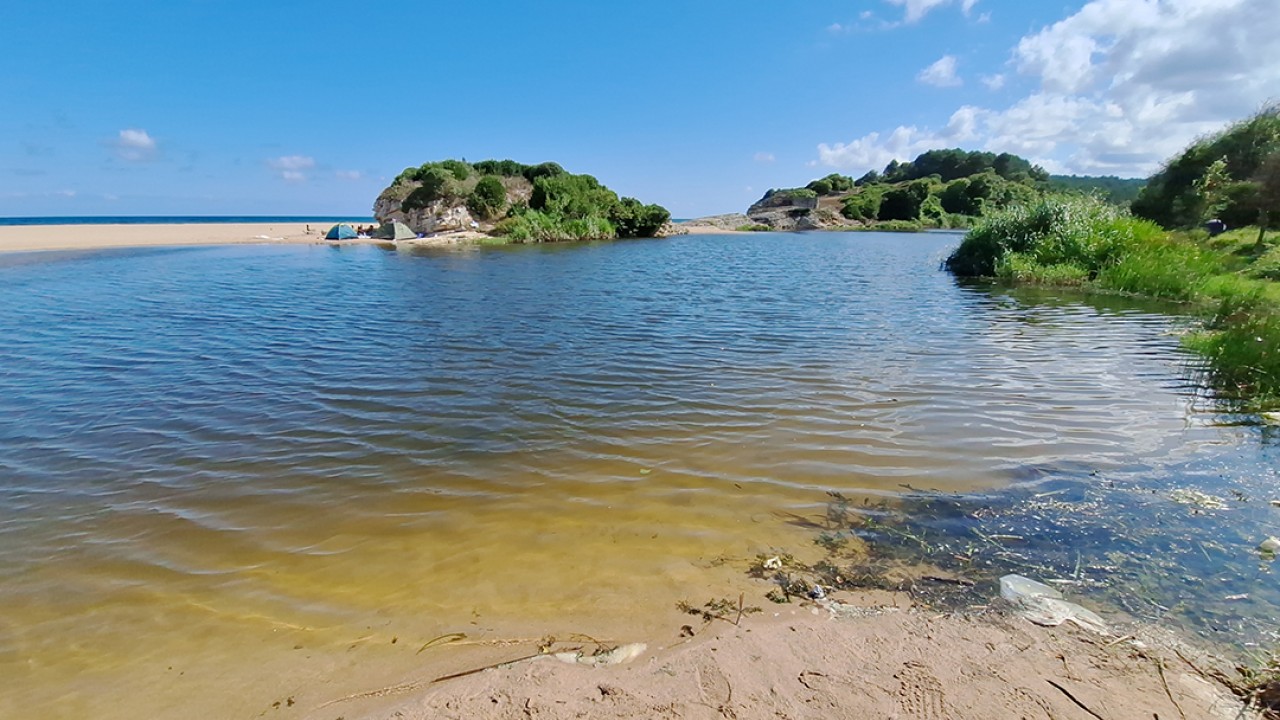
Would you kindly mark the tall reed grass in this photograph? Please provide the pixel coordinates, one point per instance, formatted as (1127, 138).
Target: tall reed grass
(1081, 241)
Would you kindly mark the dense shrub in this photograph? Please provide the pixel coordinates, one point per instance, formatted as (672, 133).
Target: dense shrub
(833, 183)
(1172, 197)
(546, 169)
(438, 183)
(904, 202)
(488, 198)
(1081, 231)
(632, 219)
(572, 196)
(459, 169)
(821, 187)
(501, 168)
(862, 206)
(534, 226)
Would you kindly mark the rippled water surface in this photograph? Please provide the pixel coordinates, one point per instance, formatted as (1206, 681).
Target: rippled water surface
(229, 476)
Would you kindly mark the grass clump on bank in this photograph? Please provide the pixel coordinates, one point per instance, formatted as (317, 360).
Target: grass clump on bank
(1078, 240)
(1082, 241)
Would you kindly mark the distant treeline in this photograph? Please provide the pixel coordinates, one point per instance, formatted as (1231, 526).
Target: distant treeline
(1115, 190)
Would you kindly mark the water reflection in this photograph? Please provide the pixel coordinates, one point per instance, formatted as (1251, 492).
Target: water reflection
(233, 452)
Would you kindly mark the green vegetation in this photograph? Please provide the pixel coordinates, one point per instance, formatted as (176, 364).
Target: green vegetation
(1115, 190)
(531, 203)
(791, 194)
(1232, 279)
(1217, 176)
(939, 189)
(488, 198)
(753, 228)
(1082, 241)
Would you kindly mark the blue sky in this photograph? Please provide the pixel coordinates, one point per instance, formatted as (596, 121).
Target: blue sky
(289, 107)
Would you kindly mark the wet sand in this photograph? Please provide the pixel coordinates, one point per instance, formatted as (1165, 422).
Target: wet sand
(879, 657)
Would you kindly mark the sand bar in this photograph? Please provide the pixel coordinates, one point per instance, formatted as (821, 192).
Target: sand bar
(33, 238)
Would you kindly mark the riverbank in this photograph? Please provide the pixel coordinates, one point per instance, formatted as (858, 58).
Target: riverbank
(874, 655)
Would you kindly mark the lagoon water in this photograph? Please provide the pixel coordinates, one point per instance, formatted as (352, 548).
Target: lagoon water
(231, 477)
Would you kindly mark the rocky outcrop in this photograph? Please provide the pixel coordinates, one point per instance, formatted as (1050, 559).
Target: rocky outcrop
(439, 216)
(790, 211)
(445, 215)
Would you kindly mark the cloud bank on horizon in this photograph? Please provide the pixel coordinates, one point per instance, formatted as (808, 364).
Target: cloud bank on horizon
(1116, 87)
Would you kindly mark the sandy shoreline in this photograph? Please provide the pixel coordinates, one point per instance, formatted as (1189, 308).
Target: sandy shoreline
(35, 238)
(38, 238)
(874, 656)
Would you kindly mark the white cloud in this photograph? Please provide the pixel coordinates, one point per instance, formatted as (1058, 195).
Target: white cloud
(348, 174)
(993, 82)
(134, 145)
(917, 9)
(1122, 86)
(292, 168)
(941, 74)
(765, 158)
(870, 152)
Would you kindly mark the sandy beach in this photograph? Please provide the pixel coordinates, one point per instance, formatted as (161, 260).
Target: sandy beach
(874, 656)
(38, 238)
(34, 238)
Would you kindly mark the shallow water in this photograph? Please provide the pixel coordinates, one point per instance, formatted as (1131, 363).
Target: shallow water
(229, 476)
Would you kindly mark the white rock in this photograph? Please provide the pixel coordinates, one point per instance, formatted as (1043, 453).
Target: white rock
(1270, 545)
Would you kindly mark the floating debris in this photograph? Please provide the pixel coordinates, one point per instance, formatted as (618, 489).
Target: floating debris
(1187, 496)
(1270, 546)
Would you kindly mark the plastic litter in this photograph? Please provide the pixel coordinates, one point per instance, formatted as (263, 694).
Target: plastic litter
(1044, 605)
(617, 656)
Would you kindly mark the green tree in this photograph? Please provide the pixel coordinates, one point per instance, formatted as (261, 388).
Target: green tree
(862, 206)
(488, 198)
(871, 177)
(546, 169)
(632, 219)
(1171, 197)
(1267, 197)
(438, 183)
(459, 169)
(572, 196)
(822, 187)
(904, 202)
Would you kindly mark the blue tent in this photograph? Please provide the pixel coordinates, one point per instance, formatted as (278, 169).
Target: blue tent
(341, 231)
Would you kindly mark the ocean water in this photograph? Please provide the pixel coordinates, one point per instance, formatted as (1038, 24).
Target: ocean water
(235, 476)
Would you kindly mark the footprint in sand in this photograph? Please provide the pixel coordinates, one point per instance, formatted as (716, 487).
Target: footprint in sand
(714, 686)
(920, 693)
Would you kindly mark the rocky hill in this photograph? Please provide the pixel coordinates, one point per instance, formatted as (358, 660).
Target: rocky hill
(940, 188)
(523, 203)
